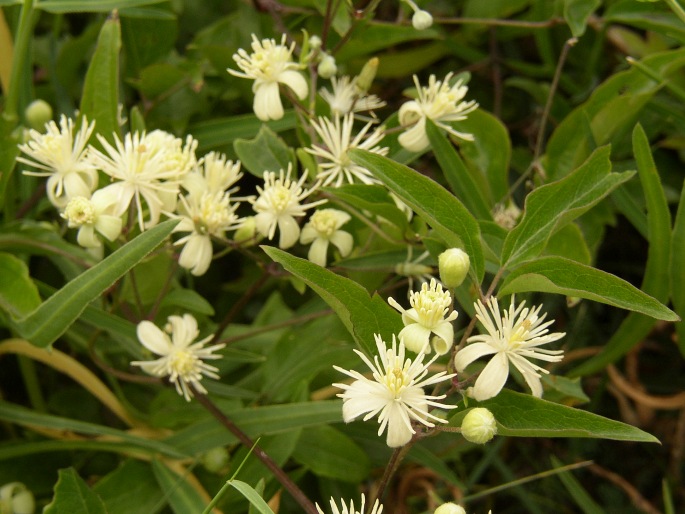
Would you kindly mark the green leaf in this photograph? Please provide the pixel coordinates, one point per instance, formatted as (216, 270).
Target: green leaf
(437, 206)
(252, 496)
(554, 205)
(372, 198)
(255, 421)
(577, 12)
(576, 490)
(489, 153)
(73, 495)
(656, 279)
(18, 293)
(28, 418)
(224, 131)
(266, 152)
(678, 270)
(571, 278)
(67, 6)
(52, 318)
(183, 497)
(189, 300)
(523, 415)
(569, 242)
(361, 314)
(328, 452)
(129, 489)
(647, 16)
(456, 173)
(100, 98)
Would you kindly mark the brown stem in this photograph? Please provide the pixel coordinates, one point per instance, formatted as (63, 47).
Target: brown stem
(277, 472)
(395, 460)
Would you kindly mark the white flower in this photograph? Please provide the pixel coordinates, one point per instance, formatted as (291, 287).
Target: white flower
(439, 102)
(181, 359)
(93, 215)
(204, 216)
(377, 507)
(279, 203)
(421, 20)
(268, 65)
(336, 166)
(151, 173)
(396, 392)
(63, 159)
(323, 228)
(427, 315)
(511, 338)
(346, 97)
(215, 174)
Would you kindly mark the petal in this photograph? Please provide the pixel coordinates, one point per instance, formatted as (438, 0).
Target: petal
(531, 377)
(86, 237)
(196, 254)
(343, 241)
(470, 353)
(290, 231)
(445, 331)
(152, 338)
(267, 101)
(415, 138)
(399, 428)
(317, 252)
(108, 226)
(492, 378)
(308, 234)
(364, 396)
(295, 81)
(415, 337)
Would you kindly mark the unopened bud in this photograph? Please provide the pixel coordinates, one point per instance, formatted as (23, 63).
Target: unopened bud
(247, 234)
(453, 265)
(37, 114)
(450, 508)
(15, 498)
(315, 42)
(422, 20)
(327, 67)
(215, 460)
(479, 426)
(366, 76)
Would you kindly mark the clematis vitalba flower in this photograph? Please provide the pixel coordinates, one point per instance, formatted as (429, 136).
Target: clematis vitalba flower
(345, 509)
(396, 393)
(429, 306)
(511, 338)
(181, 358)
(269, 65)
(93, 216)
(324, 228)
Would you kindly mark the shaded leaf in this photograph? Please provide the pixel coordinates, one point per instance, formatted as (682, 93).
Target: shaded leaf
(577, 12)
(266, 152)
(18, 293)
(252, 496)
(182, 497)
(72, 494)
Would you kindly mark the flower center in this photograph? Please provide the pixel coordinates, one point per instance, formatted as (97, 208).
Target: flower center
(325, 223)
(183, 362)
(280, 198)
(430, 304)
(214, 215)
(80, 211)
(395, 380)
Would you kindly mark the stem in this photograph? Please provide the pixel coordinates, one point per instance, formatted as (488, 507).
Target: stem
(501, 23)
(276, 326)
(395, 460)
(19, 59)
(277, 472)
(31, 382)
(677, 9)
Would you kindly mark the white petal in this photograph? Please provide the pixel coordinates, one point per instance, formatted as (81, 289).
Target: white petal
(529, 374)
(415, 139)
(290, 232)
(470, 353)
(308, 234)
(445, 331)
(492, 378)
(415, 337)
(267, 101)
(317, 252)
(153, 338)
(108, 226)
(196, 254)
(86, 237)
(399, 429)
(343, 241)
(295, 81)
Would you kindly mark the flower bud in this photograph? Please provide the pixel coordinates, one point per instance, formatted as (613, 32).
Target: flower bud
(479, 426)
(422, 20)
(315, 42)
(453, 265)
(37, 114)
(450, 508)
(247, 234)
(215, 460)
(366, 76)
(15, 498)
(327, 67)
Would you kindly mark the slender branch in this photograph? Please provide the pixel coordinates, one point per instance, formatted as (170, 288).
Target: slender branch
(277, 472)
(394, 462)
(494, 22)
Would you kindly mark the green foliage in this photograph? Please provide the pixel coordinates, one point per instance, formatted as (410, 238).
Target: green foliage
(72, 494)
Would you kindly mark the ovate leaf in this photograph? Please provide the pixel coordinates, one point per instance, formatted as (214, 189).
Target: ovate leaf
(100, 99)
(266, 152)
(72, 494)
(571, 278)
(523, 415)
(437, 206)
(52, 318)
(552, 206)
(18, 293)
(361, 314)
(577, 12)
